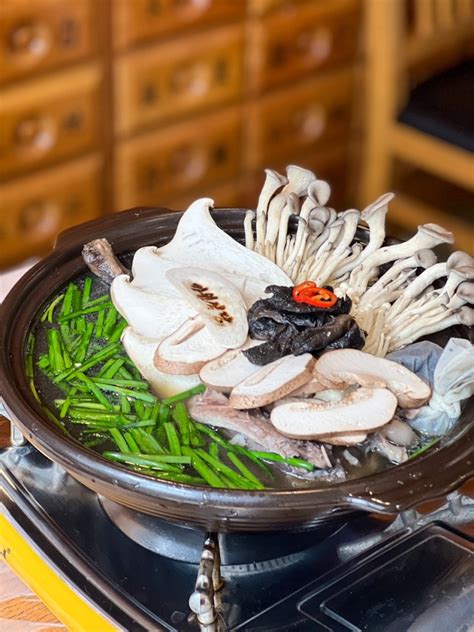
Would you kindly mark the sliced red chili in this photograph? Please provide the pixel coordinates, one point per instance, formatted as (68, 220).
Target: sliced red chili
(310, 294)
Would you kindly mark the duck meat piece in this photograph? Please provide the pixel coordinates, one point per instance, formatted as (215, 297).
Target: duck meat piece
(101, 260)
(319, 338)
(213, 409)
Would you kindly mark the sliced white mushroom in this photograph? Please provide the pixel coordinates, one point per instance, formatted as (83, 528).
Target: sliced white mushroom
(198, 240)
(149, 313)
(217, 301)
(188, 349)
(229, 369)
(308, 388)
(350, 366)
(362, 411)
(141, 352)
(344, 438)
(272, 382)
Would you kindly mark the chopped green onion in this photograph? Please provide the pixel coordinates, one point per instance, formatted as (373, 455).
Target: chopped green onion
(95, 390)
(172, 437)
(86, 292)
(237, 479)
(203, 469)
(180, 415)
(200, 388)
(83, 312)
(277, 458)
(424, 448)
(119, 440)
(244, 469)
(136, 459)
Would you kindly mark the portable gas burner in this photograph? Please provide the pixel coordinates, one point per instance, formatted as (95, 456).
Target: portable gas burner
(120, 569)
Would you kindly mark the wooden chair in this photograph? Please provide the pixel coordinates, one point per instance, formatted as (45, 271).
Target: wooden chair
(406, 39)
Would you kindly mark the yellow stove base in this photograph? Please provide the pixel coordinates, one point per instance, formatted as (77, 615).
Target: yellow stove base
(69, 607)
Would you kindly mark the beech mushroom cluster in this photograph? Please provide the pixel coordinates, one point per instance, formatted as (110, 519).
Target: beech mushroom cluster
(396, 307)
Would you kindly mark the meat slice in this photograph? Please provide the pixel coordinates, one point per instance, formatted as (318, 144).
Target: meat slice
(350, 366)
(187, 350)
(213, 408)
(101, 260)
(363, 411)
(272, 382)
(141, 351)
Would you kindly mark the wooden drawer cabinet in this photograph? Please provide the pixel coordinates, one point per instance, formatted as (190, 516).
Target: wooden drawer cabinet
(161, 166)
(289, 44)
(178, 78)
(227, 194)
(38, 35)
(49, 119)
(35, 208)
(136, 21)
(288, 124)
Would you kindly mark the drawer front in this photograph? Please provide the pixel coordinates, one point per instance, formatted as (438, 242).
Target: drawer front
(36, 208)
(160, 167)
(141, 20)
(37, 35)
(286, 124)
(291, 43)
(227, 195)
(178, 78)
(48, 120)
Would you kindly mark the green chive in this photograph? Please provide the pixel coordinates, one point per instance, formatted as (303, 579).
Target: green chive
(95, 390)
(119, 440)
(277, 458)
(203, 469)
(200, 388)
(244, 469)
(86, 292)
(180, 415)
(109, 323)
(83, 347)
(172, 437)
(228, 472)
(83, 312)
(99, 325)
(146, 397)
(126, 457)
(424, 448)
(132, 444)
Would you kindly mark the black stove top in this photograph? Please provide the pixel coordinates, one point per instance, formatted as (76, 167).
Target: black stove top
(141, 572)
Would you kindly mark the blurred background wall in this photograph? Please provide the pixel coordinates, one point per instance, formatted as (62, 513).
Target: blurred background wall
(110, 104)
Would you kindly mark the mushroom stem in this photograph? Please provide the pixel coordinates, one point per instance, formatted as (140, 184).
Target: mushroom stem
(249, 238)
(273, 182)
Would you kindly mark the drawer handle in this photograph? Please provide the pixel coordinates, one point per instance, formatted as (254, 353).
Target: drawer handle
(38, 218)
(193, 79)
(30, 39)
(316, 44)
(311, 122)
(188, 162)
(35, 133)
